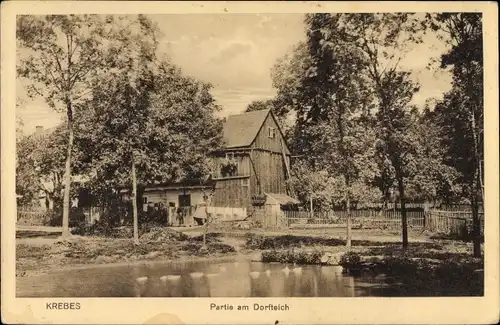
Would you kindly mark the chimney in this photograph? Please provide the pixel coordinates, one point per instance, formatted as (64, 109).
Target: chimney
(39, 130)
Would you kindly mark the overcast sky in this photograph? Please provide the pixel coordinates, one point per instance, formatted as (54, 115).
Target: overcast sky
(235, 53)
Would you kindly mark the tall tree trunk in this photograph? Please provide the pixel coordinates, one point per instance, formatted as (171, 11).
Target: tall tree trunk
(349, 226)
(476, 228)
(348, 208)
(134, 203)
(476, 196)
(67, 172)
(208, 218)
(311, 205)
(402, 200)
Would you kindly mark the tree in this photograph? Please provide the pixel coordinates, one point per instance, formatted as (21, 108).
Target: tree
(149, 122)
(460, 113)
(314, 187)
(49, 163)
(61, 56)
(27, 180)
(433, 180)
(332, 105)
(382, 40)
(258, 105)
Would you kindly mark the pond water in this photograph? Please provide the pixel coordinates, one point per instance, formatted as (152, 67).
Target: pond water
(200, 279)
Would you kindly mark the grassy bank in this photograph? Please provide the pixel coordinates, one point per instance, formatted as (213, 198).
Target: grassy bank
(157, 244)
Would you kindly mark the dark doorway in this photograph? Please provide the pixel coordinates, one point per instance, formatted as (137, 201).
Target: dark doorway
(185, 200)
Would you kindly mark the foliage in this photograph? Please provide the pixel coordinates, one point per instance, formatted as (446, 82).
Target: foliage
(460, 113)
(291, 256)
(350, 261)
(62, 58)
(147, 111)
(172, 131)
(258, 105)
(254, 241)
(228, 167)
(27, 178)
(316, 185)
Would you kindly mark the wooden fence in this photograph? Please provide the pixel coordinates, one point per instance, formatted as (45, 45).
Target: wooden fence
(359, 218)
(452, 222)
(32, 217)
(439, 221)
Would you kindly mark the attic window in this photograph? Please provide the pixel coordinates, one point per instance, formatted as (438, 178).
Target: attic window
(272, 132)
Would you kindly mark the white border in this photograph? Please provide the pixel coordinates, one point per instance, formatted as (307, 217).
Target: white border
(481, 310)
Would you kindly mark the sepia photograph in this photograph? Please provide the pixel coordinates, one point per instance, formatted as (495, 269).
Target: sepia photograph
(249, 155)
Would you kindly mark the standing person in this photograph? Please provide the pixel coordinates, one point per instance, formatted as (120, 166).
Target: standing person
(180, 216)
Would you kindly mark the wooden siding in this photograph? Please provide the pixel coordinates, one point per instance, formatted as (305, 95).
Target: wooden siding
(232, 193)
(270, 171)
(260, 166)
(263, 141)
(243, 168)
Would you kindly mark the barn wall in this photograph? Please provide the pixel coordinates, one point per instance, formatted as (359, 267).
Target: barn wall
(270, 170)
(232, 193)
(263, 141)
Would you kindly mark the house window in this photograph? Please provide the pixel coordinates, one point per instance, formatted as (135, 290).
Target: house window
(145, 200)
(229, 166)
(244, 182)
(272, 133)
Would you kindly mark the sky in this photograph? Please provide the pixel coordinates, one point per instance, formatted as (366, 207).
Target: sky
(235, 53)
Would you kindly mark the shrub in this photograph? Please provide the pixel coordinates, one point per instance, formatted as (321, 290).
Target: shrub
(291, 256)
(350, 260)
(254, 241)
(98, 228)
(210, 237)
(194, 248)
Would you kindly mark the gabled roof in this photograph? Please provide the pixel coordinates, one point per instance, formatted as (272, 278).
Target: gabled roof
(240, 130)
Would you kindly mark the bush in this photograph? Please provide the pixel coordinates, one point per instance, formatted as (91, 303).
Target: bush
(254, 241)
(212, 248)
(288, 241)
(210, 237)
(99, 228)
(350, 260)
(401, 266)
(290, 256)
(163, 234)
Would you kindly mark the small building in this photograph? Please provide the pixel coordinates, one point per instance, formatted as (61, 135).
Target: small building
(271, 213)
(254, 161)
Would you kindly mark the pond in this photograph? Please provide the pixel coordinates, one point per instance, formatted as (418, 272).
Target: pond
(201, 279)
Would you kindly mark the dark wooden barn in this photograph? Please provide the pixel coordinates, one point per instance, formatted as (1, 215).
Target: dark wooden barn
(254, 161)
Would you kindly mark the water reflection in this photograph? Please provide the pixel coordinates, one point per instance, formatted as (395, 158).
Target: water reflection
(193, 279)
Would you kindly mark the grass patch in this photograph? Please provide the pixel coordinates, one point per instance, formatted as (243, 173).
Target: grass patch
(291, 256)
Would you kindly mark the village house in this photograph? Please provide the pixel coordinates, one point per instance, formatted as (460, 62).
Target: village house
(253, 167)
(250, 173)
